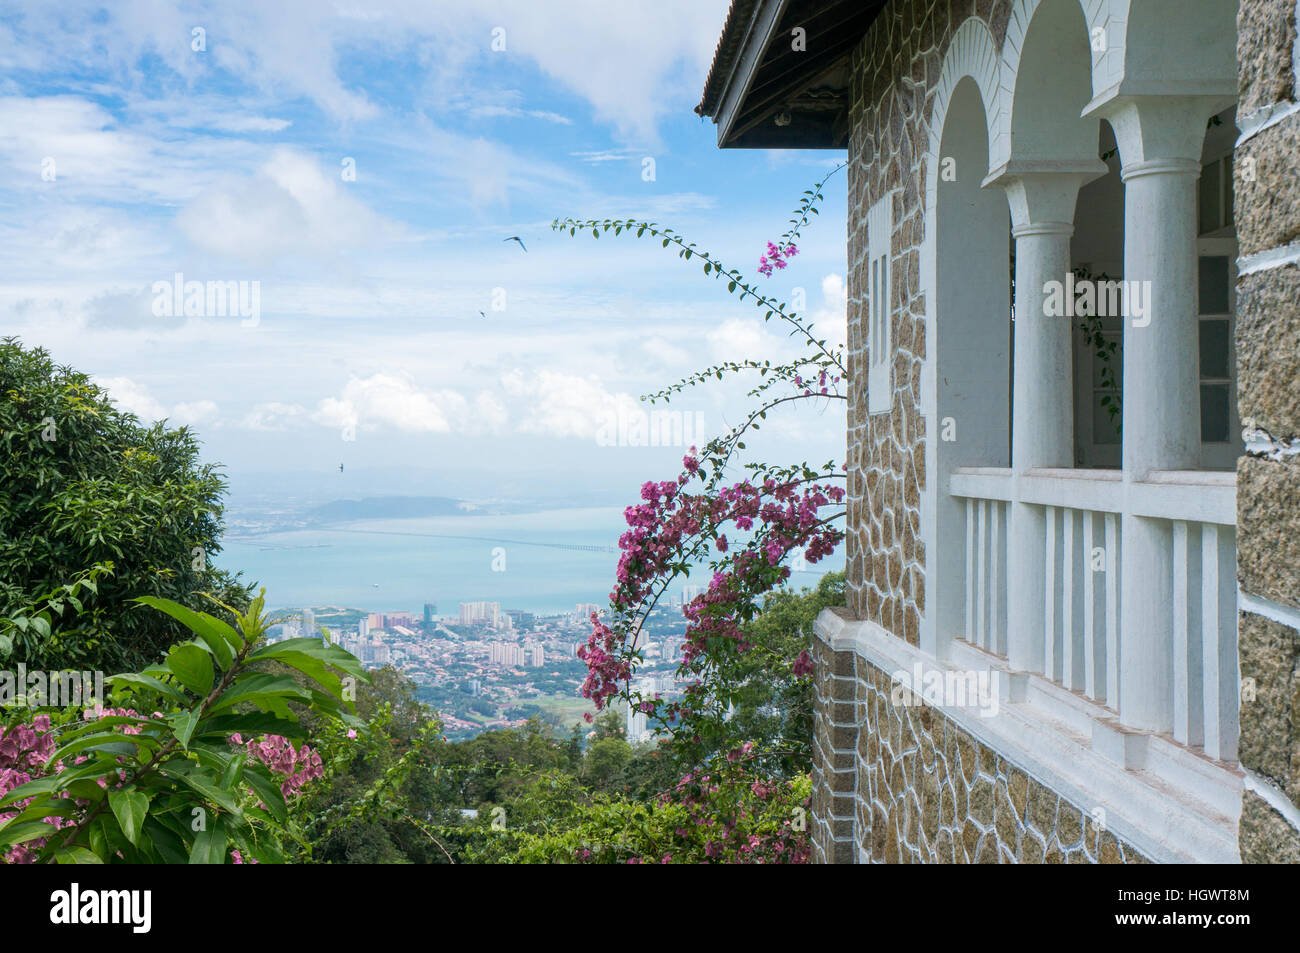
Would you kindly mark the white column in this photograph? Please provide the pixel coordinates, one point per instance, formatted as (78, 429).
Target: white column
(1042, 425)
(1160, 141)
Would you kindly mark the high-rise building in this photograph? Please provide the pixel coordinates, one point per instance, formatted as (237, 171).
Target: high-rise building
(482, 613)
(506, 653)
(520, 618)
(536, 656)
(637, 728)
(585, 609)
(690, 592)
(363, 629)
(430, 611)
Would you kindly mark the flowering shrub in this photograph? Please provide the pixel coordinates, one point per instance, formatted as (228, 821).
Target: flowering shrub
(24, 749)
(170, 787)
(735, 816)
(745, 528)
(296, 766)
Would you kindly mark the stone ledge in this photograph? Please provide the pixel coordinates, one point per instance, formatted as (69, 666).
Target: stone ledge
(1139, 809)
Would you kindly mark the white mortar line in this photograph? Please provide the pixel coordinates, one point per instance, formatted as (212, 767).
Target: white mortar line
(1273, 796)
(1268, 609)
(1265, 117)
(1266, 260)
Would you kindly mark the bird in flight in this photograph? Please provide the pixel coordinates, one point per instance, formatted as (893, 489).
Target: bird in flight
(516, 238)
(340, 468)
(482, 315)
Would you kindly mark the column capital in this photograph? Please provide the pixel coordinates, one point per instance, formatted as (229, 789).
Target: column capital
(1042, 193)
(1152, 129)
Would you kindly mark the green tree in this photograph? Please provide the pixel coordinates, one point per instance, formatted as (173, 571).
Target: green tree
(85, 484)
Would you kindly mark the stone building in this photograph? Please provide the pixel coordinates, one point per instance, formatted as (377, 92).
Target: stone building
(1073, 623)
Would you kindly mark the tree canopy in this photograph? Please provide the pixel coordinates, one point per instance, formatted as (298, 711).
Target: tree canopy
(86, 484)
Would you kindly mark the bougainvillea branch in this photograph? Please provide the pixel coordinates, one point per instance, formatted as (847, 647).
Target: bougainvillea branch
(745, 529)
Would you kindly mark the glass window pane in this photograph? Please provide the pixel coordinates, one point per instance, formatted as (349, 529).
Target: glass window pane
(1214, 284)
(1214, 413)
(1214, 348)
(1104, 430)
(1211, 217)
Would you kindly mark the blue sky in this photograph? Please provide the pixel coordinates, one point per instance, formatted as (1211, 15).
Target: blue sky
(130, 156)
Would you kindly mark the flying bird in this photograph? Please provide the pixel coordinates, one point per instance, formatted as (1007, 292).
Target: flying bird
(482, 315)
(516, 238)
(340, 468)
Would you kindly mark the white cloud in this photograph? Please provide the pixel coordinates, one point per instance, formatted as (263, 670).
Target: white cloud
(135, 398)
(289, 207)
(390, 400)
(565, 405)
(634, 63)
(272, 416)
(197, 412)
(132, 397)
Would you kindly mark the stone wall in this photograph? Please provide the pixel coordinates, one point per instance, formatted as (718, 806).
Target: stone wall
(905, 784)
(1268, 478)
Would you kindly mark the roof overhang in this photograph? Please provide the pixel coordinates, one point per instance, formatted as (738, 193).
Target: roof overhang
(765, 93)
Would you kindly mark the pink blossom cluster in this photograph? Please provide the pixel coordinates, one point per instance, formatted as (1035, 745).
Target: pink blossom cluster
(776, 257)
(298, 767)
(665, 526)
(24, 749)
(823, 385)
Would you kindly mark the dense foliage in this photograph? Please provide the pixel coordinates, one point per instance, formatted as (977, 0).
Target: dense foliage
(88, 488)
(169, 777)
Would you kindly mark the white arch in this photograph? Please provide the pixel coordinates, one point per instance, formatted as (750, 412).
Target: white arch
(1108, 60)
(972, 53)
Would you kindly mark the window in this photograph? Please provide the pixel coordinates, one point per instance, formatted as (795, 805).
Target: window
(1215, 349)
(879, 345)
(1215, 195)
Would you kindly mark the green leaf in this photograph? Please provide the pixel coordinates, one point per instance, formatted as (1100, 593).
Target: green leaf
(192, 665)
(13, 834)
(209, 628)
(259, 779)
(202, 783)
(166, 842)
(76, 855)
(109, 742)
(129, 807)
(270, 693)
(183, 725)
(210, 844)
(148, 683)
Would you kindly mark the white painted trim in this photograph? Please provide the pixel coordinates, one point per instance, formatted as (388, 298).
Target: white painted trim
(1259, 443)
(1286, 615)
(1201, 496)
(971, 52)
(1265, 117)
(1269, 259)
(880, 311)
(1272, 796)
(1169, 823)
